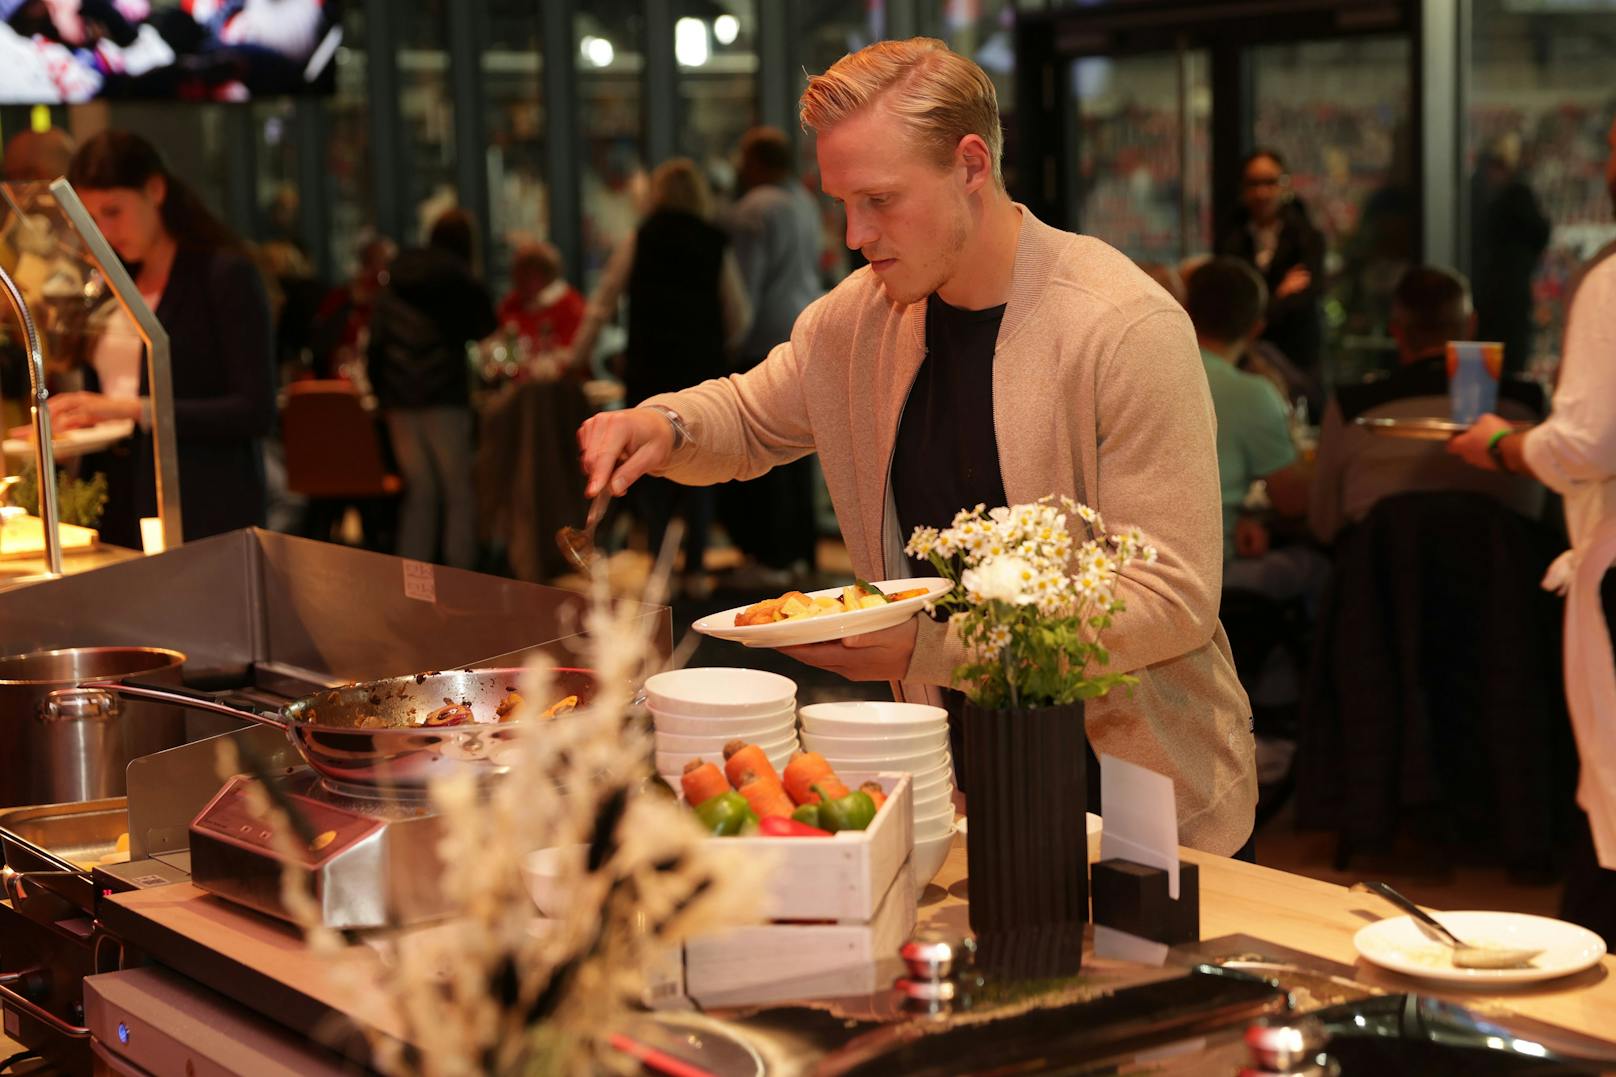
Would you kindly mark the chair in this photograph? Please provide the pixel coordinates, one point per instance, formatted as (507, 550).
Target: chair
(334, 458)
(1434, 684)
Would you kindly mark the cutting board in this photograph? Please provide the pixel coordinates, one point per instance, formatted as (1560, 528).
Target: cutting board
(24, 536)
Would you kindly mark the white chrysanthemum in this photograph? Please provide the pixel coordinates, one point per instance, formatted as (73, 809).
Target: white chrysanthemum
(1003, 579)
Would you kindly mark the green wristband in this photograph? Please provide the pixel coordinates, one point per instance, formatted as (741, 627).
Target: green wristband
(1492, 442)
(1497, 453)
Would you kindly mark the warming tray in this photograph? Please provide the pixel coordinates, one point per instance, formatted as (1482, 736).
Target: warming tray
(64, 837)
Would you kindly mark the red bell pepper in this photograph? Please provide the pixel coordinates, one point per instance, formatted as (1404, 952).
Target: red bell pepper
(783, 826)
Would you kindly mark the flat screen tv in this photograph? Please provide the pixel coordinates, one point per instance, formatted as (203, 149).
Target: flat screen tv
(71, 51)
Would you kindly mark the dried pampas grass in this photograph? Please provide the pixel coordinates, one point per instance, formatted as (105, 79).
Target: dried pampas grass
(494, 990)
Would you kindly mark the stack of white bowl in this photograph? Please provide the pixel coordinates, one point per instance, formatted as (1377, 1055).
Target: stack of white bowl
(905, 737)
(698, 710)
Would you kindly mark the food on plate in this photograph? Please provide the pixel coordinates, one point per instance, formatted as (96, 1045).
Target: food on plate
(702, 781)
(747, 796)
(796, 606)
(509, 708)
(806, 770)
(450, 714)
(558, 708)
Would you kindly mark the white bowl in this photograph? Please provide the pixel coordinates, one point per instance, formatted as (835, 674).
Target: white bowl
(927, 858)
(674, 762)
(934, 827)
(918, 763)
(543, 871)
(934, 800)
(673, 742)
(745, 726)
(925, 782)
(870, 717)
(719, 692)
(877, 747)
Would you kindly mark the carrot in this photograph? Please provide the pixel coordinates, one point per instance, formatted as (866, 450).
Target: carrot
(740, 757)
(806, 770)
(702, 781)
(876, 793)
(766, 795)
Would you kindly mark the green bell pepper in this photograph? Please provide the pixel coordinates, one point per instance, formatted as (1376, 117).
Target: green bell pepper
(852, 812)
(726, 814)
(807, 813)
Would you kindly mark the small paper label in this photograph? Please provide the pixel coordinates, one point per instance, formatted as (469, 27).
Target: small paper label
(1141, 819)
(420, 581)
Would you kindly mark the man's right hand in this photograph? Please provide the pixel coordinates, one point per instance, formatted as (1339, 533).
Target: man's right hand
(620, 446)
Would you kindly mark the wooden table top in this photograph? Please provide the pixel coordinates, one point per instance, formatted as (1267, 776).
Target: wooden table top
(1321, 918)
(1236, 899)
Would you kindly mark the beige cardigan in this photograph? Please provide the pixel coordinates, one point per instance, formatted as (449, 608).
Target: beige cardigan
(1098, 394)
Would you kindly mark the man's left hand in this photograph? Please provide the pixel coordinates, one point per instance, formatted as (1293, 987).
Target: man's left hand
(873, 656)
(1471, 445)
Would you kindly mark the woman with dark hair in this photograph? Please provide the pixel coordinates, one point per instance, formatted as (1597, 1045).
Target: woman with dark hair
(1270, 230)
(198, 280)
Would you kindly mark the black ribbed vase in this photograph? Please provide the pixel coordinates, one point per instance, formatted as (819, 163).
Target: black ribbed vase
(1028, 845)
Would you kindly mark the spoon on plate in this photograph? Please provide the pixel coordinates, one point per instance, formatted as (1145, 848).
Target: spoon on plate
(1465, 956)
(579, 545)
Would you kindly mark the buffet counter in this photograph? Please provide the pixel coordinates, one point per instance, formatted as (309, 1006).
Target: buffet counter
(255, 959)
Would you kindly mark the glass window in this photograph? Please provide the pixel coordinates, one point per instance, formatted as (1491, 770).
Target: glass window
(426, 106)
(717, 86)
(1338, 112)
(1541, 103)
(349, 169)
(513, 116)
(1140, 184)
(825, 31)
(610, 59)
(275, 159)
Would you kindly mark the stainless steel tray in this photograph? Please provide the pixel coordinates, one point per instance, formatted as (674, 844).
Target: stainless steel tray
(64, 837)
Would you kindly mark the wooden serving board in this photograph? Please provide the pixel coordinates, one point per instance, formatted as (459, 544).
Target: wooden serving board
(24, 536)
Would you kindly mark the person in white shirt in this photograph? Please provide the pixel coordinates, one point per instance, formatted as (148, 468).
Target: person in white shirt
(1573, 452)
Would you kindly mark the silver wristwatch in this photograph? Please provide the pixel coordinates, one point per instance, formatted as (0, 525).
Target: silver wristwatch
(681, 432)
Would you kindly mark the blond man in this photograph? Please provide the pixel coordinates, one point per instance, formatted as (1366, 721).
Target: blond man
(982, 356)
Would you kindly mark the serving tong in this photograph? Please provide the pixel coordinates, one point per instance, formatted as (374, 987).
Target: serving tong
(1465, 955)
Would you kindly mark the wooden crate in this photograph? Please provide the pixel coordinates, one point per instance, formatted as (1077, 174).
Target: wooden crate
(773, 962)
(843, 877)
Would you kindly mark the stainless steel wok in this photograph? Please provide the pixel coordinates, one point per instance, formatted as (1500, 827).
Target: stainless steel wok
(333, 728)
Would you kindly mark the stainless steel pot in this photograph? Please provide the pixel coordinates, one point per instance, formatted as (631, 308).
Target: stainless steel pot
(78, 750)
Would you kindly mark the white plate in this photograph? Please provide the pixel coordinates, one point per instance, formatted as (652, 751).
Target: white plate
(674, 762)
(1399, 944)
(76, 442)
(927, 858)
(719, 692)
(828, 626)
(871, 718)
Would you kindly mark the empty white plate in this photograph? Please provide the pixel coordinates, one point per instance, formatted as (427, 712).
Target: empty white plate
(1399, 944)
(709, 726)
